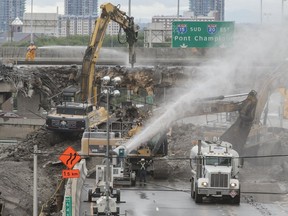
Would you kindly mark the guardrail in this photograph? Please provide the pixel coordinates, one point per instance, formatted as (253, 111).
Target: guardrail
(8, 142)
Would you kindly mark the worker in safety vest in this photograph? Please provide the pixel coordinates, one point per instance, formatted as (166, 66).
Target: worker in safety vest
(31, 52)
(143, 170)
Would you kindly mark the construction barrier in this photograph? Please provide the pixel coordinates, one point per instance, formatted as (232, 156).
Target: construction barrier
(73, 189)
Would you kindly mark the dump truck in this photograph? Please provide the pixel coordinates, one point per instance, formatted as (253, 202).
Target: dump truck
(214, 168)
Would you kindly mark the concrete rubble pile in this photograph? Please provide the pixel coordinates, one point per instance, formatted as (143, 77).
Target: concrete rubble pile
(17, 160)
(49, 82)
(16, 172)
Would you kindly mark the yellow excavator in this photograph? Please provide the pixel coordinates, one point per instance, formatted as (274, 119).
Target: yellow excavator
(109, 12)
(78, 115)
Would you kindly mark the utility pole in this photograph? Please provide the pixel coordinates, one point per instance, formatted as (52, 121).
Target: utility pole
(35, 194)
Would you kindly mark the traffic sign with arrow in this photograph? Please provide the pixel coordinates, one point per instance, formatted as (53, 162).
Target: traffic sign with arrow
(70, 157)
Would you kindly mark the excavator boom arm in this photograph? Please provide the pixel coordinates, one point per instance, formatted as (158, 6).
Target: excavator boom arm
(109, 12)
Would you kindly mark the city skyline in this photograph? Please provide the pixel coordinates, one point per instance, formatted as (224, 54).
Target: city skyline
(241, 11)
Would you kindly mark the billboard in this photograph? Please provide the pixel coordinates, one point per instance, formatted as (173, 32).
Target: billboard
(202, 34)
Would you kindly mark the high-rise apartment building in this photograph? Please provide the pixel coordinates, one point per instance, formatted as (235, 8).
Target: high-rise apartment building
(79, 17)
(81, 7)
(205, 7)
(9, 10)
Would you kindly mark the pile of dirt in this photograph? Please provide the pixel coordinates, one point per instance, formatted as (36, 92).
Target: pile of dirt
(16, 172)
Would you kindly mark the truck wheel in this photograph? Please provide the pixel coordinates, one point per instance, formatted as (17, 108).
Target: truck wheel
(236, 199)
(90, 195)
(161, 169)
(198, 197)
(95, 211)
(118, 196)
(192, 189)
(117, 211)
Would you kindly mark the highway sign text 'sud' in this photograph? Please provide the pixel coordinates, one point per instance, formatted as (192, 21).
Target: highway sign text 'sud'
(202, 34)
(70, 157)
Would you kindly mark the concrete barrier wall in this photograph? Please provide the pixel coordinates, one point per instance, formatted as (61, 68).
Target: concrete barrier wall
(18, 128)
(77, 53)
(74, 188)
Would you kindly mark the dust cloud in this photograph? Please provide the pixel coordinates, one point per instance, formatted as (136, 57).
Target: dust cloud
(229, 72)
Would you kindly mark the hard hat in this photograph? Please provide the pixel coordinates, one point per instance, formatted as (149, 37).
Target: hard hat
(142, 159)
(253, 93)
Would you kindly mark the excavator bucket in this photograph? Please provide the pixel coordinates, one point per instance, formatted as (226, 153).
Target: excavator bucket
(238, 133)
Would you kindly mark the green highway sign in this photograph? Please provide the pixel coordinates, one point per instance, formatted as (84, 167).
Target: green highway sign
(149, 100)
(202, 34)
(68, 205)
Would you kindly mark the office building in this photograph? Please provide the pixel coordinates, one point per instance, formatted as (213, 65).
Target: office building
(42, 23)
(9, 10)
(75, 25)
(81, 7)
(79, 17)
(206, 7)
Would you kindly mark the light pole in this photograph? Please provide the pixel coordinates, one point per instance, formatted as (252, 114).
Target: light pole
(178, 4)
(31, 22)
(108, 88)
(129, 8)
(261, 8)
(282, 11)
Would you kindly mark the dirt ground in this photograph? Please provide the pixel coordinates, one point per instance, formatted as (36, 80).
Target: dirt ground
(16, 161)
(16, 172)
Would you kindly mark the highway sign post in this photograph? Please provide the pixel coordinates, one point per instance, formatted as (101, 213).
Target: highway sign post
(68, 206)
(202, 34)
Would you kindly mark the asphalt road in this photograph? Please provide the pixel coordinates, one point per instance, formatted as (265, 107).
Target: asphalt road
(173, 199)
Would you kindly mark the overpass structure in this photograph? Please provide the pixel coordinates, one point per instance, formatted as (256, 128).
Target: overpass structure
(61, 55)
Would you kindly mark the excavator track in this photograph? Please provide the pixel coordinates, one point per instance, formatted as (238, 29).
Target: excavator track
(160, 168)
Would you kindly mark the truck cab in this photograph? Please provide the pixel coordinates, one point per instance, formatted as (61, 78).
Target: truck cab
(215, 168)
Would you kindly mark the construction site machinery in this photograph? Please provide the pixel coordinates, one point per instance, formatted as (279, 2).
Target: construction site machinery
(95, 142)
(101, 192)
(63, 118)
(158, 150)
(215, 168)
(75, 117)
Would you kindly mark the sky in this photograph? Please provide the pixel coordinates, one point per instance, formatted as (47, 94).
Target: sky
(240, 11)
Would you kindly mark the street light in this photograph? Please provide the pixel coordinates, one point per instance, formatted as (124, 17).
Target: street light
(108, 88)
(282, 11)
(178, 4)
(129, 8)
(261, 8)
